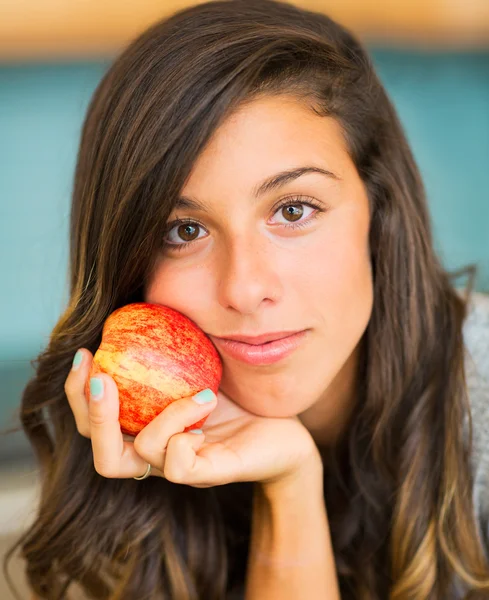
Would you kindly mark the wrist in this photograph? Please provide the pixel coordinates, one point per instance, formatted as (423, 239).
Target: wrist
(295, 484)
(291, 553)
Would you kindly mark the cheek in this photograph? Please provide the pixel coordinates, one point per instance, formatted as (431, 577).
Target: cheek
(337, 271)
(347, 271)
(176, 287)
(343, 291)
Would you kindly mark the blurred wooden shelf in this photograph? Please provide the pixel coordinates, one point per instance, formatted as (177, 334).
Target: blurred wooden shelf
(70, 29)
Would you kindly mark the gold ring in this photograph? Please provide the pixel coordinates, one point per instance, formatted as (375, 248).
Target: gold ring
(148, 471)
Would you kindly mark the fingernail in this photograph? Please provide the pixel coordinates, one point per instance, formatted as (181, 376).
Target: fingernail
(96, 388)
(204, 396)
(77, 360)
(196, 431)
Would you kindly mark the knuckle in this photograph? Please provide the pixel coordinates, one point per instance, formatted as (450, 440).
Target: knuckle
(83, 430)
(173, 474)
(149, 447)
(97, 420)
(68, 386)
(177, 443)
(172, 470)
(104, 468)
(153, 450)
(140, 446)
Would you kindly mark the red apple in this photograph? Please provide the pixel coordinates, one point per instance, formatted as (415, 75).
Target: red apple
(156, 355)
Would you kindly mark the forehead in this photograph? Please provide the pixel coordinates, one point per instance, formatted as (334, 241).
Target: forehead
(265, 137)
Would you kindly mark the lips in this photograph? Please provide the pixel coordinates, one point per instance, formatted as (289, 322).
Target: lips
(261, 354)
(259, 339)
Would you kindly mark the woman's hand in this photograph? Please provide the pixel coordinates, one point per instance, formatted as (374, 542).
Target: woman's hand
(234, 446)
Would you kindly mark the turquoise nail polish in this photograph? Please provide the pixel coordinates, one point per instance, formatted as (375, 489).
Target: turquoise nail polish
(96, 388)
(204, 396)
(77, 360)
(196, 431)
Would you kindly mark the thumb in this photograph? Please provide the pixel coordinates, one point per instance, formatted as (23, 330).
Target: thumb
(103, 399)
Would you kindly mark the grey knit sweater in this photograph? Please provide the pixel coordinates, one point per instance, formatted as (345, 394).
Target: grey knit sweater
(476, 336)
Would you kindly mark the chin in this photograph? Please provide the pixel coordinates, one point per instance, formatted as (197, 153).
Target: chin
(263, 404)
(274, 412)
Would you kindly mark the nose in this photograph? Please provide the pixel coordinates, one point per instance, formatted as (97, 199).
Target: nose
(248, 275)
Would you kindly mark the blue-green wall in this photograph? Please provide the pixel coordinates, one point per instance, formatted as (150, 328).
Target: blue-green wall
(442, 99)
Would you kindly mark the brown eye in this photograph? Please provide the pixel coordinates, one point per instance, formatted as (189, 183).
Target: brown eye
(179, 234)
(293, 211)
(187, 232)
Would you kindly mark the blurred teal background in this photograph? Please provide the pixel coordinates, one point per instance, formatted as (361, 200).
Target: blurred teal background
(442, 100)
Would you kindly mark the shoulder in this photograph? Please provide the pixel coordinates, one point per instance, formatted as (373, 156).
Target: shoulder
(476, 338)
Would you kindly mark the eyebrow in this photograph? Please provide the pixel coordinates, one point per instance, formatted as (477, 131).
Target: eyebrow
(270, 184)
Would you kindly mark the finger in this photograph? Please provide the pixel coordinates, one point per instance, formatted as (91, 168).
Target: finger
(74, 389)
(151, 442)
(181, 456)
(113, 457)
(190, 462)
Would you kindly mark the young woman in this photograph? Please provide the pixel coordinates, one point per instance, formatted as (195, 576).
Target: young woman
(241, 163)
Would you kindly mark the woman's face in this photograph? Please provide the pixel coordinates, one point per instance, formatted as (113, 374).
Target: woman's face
(245, 270)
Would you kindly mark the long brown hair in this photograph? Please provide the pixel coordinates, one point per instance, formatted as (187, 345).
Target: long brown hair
(398, 487)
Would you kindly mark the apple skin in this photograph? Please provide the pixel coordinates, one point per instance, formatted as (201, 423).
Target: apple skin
(156, 355)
